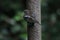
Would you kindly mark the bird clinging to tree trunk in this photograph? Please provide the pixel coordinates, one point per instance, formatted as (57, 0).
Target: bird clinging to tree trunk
(30, 18)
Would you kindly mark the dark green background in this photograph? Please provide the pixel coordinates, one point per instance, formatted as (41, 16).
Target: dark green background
(19, 7)
(50, 19)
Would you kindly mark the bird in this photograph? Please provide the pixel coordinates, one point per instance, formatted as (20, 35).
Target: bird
(30, 18)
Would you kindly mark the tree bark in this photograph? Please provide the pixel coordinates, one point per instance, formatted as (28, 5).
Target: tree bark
(34, 33)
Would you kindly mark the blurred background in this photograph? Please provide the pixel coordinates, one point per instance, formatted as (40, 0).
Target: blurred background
(12, 24)
(14, 27)
(50, 18)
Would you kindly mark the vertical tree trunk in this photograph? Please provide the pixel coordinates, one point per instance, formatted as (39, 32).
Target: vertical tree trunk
(34, 33)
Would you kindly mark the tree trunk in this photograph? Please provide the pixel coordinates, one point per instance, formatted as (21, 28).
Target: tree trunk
(34, 33)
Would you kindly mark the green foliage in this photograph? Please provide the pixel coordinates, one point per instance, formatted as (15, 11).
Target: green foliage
(50, 19)
(19, 16)
(21, 26)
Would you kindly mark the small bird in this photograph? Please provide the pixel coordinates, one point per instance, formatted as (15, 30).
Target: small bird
(29, 18)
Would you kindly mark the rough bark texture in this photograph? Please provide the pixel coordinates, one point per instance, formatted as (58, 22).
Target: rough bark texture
(34, 33)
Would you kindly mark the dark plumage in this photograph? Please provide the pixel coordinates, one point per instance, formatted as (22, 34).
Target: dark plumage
(30, 19)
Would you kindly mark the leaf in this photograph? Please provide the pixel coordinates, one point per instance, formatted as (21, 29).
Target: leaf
(19, 16)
